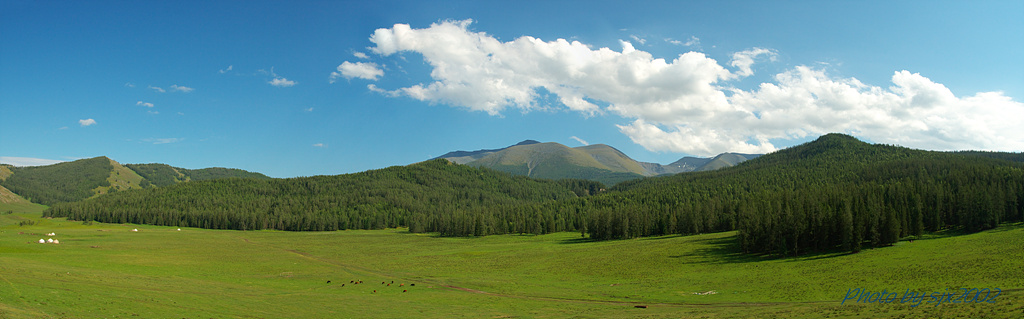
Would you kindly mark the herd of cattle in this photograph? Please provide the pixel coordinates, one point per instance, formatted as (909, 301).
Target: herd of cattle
(385, 283)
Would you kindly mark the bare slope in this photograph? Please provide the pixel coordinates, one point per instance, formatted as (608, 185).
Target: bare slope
(556, 161)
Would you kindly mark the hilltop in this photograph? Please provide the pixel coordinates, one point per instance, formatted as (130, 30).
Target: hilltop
(88, 178)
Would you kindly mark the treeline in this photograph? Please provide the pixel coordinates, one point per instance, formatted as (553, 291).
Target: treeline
(61, 182)
(428, 197)
(833, 193)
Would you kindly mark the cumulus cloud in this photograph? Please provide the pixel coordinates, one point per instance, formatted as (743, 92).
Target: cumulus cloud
(687, 103)
(146, 104)
(361, 55)
(158, 89)
(184, 89)
(744, 59)
(228, 69)
(320, 145)
(87, 122)
(362, 70)
(282, 82)
(580, 140)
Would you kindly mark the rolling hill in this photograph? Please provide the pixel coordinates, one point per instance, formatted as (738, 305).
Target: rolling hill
(87, 178)
(556, 161)
(463, 157)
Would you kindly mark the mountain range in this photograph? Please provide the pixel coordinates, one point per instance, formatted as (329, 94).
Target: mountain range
(88, 178)
(598, 162)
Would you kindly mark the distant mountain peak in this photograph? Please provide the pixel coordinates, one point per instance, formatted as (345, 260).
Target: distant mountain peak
(527, 142)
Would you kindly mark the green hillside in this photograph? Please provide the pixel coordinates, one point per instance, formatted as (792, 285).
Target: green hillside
(433, 196)
(556, 161)
(832, 193)
(164, 175)
(613, 159)
(61, 182)
(87, 178)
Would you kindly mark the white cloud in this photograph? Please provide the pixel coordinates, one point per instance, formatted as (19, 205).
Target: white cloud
(309, 110)
(87, 122)
(282, 82)
(184, 89)
(158, 89)
(158, 141)
(27, 161)
(638, 39)
(146, 104)
(687, 104)
(129, 84)
(744, 59)
(362, 70)
(692, 41)
(320, 145)
(580, 140)
(226, 70)
(361, 55)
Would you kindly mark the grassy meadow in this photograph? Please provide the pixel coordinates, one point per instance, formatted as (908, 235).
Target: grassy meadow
(109, 271)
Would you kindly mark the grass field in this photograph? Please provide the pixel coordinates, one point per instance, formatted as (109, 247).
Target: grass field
(107, 270)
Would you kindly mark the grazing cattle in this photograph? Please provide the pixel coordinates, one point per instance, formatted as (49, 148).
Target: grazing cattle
(389, 285)
(374, 291)
(392, 281)
(640, 306)
(412, 284)
(328, 281)
(381, 282)
(351, 281)
(404, 290)
(401, 285)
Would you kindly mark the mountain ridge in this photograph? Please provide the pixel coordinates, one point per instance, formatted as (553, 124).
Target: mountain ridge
(598, 162)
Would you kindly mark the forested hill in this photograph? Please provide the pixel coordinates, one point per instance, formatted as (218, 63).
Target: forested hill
(61, 182)
(85, 178)
(164, 175)
(835, 192)
(428, 196)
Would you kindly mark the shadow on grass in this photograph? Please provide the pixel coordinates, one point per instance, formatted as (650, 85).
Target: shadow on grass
(718, 250)
(581, 240)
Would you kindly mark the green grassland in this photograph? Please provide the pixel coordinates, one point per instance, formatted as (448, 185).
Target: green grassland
(109, 271)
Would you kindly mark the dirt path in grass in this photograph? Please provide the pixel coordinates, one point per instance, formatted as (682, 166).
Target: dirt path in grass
(371, 272)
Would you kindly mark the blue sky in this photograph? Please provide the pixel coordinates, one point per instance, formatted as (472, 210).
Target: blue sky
(329, 87)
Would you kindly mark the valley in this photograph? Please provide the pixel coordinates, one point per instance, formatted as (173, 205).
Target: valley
(106, 270)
